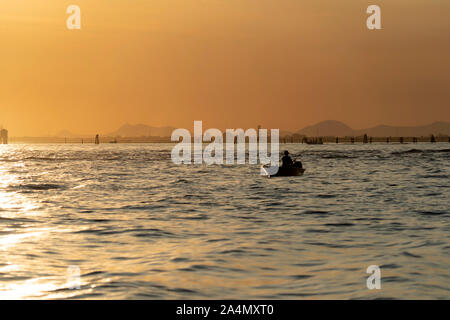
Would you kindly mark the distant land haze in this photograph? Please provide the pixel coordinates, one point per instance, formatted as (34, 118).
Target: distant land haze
(324, 128)
(142, 130)
(127, 130)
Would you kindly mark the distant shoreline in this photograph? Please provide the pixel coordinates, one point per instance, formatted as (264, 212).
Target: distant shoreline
(287, 139)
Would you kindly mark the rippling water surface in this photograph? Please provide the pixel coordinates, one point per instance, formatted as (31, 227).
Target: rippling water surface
(138, 226)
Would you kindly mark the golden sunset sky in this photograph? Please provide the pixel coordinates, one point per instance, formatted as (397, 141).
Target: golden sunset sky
(231, 63)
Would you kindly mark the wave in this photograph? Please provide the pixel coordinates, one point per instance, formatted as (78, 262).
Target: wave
(137, 232)
(412, 151)
(431, 213)
(37, 187)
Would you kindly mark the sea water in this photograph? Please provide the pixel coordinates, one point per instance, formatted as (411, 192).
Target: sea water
(122, 221)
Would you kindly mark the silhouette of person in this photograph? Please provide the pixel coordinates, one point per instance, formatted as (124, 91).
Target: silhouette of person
(286, 160)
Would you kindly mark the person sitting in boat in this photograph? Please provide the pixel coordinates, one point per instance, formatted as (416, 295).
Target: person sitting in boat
(286, 160)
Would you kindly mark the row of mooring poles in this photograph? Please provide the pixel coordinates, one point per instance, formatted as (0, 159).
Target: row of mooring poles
(96, 140)
(367, 139)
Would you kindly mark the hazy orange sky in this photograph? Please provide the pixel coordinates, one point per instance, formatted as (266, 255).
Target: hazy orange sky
(231, 63)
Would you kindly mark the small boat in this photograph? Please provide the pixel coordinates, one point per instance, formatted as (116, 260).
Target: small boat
(282, 171)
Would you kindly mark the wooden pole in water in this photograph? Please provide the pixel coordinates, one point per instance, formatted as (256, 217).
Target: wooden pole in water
(432, 139)
(4, 136)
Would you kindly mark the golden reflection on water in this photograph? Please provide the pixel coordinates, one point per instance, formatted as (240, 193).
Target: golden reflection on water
(26, 288)
(11, 200)
(16, 205)
(12, 203)
(48, 287)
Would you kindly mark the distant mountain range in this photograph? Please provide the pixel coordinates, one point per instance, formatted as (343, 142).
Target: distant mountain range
(322, 129)
(327, 128)
(141, 130)
(339, 129)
